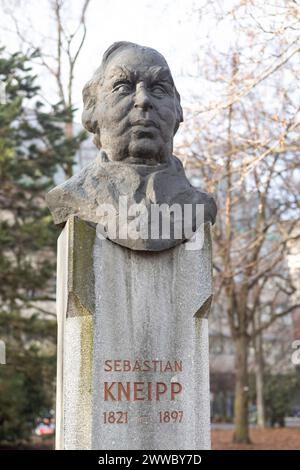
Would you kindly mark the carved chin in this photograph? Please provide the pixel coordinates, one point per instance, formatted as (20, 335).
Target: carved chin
(144, 147)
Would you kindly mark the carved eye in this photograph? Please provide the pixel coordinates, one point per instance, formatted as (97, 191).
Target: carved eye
(158, 89)
(122, 87)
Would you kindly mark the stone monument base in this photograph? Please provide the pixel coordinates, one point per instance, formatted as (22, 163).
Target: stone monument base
(132, 344)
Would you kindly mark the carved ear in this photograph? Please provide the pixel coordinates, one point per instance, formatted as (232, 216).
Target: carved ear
(89, 103)
(179, 112)
(96, 140)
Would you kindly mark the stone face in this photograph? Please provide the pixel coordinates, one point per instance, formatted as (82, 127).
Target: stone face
(132, 107)
(138, 351)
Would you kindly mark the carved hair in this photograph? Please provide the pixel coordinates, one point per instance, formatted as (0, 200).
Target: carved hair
(89, 92)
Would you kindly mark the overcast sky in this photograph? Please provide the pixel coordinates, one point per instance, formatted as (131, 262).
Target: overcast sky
(175, 28)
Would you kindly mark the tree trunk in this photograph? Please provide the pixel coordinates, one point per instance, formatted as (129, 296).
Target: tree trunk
(241, 429)
(259, 381)
(69, 132)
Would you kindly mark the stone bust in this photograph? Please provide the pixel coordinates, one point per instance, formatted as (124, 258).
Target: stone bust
(132, 107)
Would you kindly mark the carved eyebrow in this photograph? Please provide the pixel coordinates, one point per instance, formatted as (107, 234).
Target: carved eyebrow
(160, 73)
(155, 72)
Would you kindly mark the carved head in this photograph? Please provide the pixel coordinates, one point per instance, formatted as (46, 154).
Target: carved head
(132, 106)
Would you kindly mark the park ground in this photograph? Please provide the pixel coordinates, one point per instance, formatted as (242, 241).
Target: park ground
(261, 439)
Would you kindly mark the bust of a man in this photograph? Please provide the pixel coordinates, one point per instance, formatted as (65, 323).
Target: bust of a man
(132, 107)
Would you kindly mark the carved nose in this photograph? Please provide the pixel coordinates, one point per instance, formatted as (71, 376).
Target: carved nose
(142, 99)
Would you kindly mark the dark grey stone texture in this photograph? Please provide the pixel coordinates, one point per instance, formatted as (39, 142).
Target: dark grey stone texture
(133, 108)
